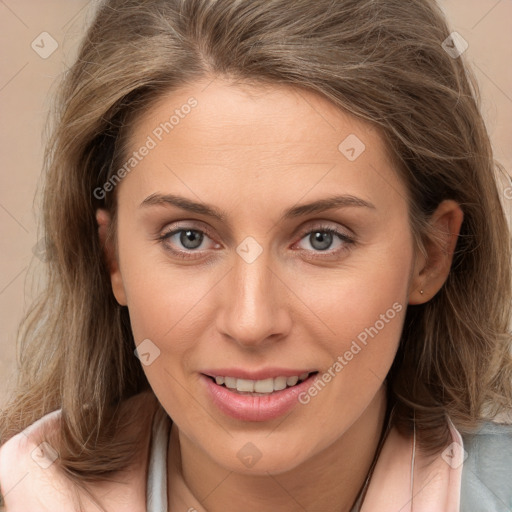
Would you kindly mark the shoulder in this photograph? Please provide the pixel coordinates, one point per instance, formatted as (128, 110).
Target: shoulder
(487, 471)
(31, 477)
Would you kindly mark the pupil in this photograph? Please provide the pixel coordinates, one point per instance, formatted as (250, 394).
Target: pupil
(321, 240)
(191, 239)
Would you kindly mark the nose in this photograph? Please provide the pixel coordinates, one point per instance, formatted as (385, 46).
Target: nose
(255, 300)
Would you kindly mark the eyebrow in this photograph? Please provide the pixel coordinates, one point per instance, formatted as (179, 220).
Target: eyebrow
(319, 206)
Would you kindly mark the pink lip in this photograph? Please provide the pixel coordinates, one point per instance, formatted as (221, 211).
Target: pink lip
(265, 373)
(255, 408)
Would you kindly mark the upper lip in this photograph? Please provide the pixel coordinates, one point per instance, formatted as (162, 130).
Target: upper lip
(264, 373)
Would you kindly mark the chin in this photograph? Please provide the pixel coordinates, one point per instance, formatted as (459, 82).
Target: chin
(258, 458)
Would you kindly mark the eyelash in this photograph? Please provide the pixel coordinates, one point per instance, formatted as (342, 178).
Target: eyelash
(188, 255)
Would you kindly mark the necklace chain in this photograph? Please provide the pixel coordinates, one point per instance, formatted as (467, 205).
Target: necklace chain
(362, 493)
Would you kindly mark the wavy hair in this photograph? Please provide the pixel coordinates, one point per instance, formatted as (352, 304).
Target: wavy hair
(382, 61)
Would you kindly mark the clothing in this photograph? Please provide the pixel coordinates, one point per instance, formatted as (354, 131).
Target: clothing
(156, 490)
(487, 482)
(480, 483)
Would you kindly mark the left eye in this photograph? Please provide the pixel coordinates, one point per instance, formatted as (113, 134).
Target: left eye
(322, 239)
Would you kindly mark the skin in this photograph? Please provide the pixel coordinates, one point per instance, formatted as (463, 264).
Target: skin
(253, 152)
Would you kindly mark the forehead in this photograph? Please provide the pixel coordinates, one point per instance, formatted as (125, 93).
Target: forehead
(253, 116)
(254, 138)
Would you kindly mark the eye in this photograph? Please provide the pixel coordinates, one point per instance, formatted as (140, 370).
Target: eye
(184, 242)
(323, 238)
(190, 238)
(189, 243)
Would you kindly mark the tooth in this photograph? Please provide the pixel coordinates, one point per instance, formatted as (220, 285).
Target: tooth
(219, 380)
(303, 376)
(279, 383)
(245, 385)
(264, 386)
(230, 382)
(291, 381)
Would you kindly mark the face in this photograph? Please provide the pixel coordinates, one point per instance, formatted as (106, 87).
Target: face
(228, 273)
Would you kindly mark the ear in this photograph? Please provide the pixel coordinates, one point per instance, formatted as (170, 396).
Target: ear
(432, 268)
(103, 219)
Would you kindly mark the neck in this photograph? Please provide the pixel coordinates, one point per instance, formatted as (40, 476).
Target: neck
(330, 481)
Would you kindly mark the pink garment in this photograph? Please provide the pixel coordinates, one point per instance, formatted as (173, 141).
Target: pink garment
(436, 480)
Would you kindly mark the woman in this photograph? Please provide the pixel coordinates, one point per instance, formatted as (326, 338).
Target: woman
(279, 269)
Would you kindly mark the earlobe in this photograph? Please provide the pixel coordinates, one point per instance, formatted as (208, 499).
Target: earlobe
(103, 219)
(432, 268)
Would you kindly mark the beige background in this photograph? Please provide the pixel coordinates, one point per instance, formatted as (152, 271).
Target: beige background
(26, 80)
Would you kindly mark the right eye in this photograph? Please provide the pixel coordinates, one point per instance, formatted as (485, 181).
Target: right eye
(183, 242)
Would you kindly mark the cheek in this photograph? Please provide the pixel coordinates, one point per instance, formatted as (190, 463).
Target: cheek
(170, 311)
(357, 359)
(161, 296)
(368, 288)
(166, 306)
(362, 308)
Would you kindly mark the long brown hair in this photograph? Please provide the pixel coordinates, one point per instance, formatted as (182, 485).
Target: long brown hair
(381, 60)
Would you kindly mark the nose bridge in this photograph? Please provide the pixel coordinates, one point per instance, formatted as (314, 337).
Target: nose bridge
(252, 306)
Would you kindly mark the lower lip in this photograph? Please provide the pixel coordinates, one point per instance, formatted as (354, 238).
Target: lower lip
(255, 408)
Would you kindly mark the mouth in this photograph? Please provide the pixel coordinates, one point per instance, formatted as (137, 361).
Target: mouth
(260, 387)
(256, 400)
